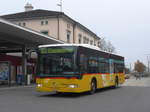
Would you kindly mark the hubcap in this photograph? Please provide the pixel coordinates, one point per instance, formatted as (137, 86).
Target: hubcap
(93, 87)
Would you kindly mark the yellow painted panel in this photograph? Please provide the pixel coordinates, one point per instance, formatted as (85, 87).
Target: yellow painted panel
(62, 84)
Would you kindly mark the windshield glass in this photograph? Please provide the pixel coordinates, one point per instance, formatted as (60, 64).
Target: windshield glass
(56, 61)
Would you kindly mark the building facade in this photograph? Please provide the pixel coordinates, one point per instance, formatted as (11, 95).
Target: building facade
(55, 24)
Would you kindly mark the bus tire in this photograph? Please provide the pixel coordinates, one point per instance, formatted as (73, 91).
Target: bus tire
(93, 86)
(116, 82)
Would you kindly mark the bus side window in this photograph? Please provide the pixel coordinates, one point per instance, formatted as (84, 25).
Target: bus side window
(82, 63)
(103, 65)
(93, 64)
(111, 66)
(119, 68)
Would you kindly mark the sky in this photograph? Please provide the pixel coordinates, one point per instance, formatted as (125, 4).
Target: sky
(126, 23)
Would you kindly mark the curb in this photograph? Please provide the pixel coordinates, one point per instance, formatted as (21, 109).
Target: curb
(16, 87)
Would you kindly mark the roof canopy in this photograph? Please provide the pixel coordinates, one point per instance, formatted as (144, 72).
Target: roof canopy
(13, 36)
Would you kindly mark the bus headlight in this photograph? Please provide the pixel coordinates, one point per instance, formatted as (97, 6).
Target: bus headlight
(39, 85)
(72, 86)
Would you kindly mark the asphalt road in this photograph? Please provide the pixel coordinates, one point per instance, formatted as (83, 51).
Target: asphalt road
(123, 99)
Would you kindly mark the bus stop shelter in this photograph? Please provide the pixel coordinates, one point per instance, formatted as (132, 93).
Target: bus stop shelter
(14, 38)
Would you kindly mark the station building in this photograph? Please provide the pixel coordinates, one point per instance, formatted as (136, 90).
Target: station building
(57, 26)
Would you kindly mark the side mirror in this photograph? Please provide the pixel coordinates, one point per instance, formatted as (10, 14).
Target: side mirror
(29, 53)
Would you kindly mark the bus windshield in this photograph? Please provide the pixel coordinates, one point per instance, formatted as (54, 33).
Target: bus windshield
(56, 61)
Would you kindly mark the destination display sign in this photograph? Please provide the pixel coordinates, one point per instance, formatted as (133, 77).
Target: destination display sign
(56, 50)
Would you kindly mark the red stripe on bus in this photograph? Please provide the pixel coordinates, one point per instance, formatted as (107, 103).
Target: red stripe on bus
(97, 74)
(55, 78)
(100, 73)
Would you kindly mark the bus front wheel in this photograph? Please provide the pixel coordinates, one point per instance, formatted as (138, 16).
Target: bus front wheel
(93, 87)
(116, 82)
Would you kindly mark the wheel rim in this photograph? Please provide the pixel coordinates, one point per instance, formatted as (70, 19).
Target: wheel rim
(93, 87)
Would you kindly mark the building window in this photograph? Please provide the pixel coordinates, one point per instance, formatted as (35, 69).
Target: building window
(45, 32)
(24, 24)
(68, 25)
(87, 40)
(68, 36)
(19, 24)
(44, 22)
(84, 40)
(80, 38)
(91, 42)
(98, 43)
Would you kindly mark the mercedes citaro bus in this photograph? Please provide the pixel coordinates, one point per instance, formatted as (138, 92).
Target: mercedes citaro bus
(77, 68)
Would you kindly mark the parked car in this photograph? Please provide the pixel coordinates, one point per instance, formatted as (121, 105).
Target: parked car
(145, 74)
(127, 76)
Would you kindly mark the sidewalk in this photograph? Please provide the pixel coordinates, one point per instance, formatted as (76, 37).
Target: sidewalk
(143, 82)
(6, 87)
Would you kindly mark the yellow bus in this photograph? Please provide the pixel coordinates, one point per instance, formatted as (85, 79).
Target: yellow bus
(77, 68)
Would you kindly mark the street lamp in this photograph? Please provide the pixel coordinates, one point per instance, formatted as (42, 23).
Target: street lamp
(60, 5)
(148, 62)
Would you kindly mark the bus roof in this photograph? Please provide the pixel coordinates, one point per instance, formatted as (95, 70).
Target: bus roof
(82, 45)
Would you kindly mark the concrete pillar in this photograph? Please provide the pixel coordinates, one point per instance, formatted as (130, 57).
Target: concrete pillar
(58, 28)
(74, 33)
(24, 64)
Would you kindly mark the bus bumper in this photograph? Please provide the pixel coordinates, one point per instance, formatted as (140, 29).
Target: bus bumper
(70, 88)
(60, 85)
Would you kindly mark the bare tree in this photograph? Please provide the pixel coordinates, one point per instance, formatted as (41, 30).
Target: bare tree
(107, 46)
(103, 44)
(110, 47)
